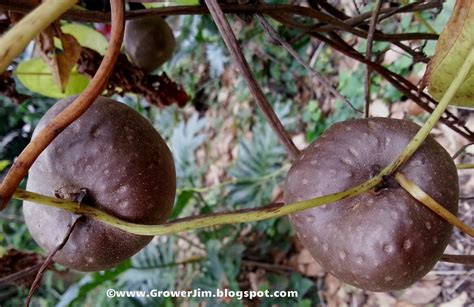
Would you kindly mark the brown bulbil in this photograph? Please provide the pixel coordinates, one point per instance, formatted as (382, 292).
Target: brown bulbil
(127, 170)
(149, 42)
(383, 239)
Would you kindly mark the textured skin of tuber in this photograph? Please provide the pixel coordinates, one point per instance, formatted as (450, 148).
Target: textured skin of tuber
(383, 239)
(115, 156)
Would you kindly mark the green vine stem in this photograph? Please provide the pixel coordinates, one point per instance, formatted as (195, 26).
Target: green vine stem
(416, 192)
(16, 39)
(464, 166)
(192, 223)
(257, 214)
(423, 133)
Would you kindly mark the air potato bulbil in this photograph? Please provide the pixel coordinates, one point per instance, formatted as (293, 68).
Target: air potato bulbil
(114, 154)
(383, 239)
(149, 42)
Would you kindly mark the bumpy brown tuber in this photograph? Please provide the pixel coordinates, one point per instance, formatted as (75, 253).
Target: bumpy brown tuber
(383, 239)
(117, 160)
(149, 42)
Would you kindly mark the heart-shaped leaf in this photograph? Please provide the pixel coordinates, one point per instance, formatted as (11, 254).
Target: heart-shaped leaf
(36, 76)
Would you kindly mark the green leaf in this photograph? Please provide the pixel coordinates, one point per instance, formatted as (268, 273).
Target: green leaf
(454, 45)
(174, 3)
(36, 76)
(87, 37)
(181, 203)
(4, 164)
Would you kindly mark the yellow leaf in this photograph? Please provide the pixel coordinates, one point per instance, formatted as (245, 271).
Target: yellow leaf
(454, 44)
(87, 37)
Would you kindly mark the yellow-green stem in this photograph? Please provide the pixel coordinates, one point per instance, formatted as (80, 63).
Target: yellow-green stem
(194, 222)
(423, 133)
(265, 212)
(429, 202)
(17, 38)
(464, 166)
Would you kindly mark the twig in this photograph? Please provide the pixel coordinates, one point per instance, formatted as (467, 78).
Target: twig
(24, 6)
(323, 81)
(236, 53)
(268, 266)
(460, 259)
(414, 190)
(368, 56)
(400, 83)
(14, 41)
(48, 261)
(71, 113)
(461, 150)
(464, 166)
(21, 274)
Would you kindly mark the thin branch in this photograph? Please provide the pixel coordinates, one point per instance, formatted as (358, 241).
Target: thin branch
(402, 84)
(414, 190)
(48, 261)
(71, 113)
(236, 53)
(461, 150)
(24, 6)
(368, 56)
(10, 279)
(459, 259)
(323, 81)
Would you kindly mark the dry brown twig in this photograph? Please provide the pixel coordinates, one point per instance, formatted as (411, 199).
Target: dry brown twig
(71, 113)
(368, 56)
(48, 261)
(236, 53)
(321, 79)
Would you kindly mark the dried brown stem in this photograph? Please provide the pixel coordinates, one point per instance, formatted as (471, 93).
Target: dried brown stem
(27, 157)
(461, 150)
(237, 55)
(368, 56)
(400, 83)
(48, 261)
(460, 259)
(323, 81)
(24, 6)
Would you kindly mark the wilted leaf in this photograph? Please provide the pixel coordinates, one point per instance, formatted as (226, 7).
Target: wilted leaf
(61, 60)
(454, 45)
(35, 75)
(87, 37)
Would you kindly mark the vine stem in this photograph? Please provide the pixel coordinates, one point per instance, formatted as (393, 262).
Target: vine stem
(72, 112)
(196, 222)
(423, 133)
(16, 39)
(464, 166)
(257, 93)
(257, 214)
(414, 190)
